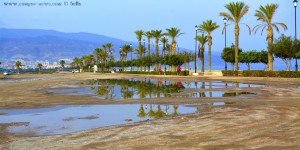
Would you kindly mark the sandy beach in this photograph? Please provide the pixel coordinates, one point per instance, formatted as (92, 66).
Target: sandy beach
(268, 120)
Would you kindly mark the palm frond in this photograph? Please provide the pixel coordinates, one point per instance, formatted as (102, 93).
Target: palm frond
(263, 29)
(247, 27)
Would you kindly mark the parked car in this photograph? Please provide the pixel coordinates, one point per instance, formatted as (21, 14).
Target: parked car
(5, 73)
(75, 71)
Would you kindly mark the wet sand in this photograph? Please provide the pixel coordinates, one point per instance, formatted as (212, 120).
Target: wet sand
(268, 120)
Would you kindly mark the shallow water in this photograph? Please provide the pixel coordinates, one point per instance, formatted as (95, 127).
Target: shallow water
(120, 89)
(68, 119)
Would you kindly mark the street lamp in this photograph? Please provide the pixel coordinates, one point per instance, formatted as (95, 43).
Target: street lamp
(225, 21)
(295, 5)
(196, 28)
(131, 57)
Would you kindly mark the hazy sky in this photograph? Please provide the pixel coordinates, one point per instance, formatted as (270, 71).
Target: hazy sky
(120, 18)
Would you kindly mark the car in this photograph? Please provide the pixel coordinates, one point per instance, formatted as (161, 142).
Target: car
(5, 73)
(75, 71)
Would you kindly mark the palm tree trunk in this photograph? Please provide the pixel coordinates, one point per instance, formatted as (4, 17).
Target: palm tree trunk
(209, 51)
(202, 64)
(270, 42)
(237, 33)
(173, 52)
(149, 52)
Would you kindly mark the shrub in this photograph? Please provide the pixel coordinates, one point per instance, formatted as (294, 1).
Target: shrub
(261, 73)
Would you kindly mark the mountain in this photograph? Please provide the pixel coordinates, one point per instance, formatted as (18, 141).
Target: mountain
(35, 44)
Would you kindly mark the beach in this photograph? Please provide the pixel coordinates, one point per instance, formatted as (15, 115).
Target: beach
(267, 120)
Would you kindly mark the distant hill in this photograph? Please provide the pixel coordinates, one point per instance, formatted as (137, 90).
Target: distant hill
(34, 44)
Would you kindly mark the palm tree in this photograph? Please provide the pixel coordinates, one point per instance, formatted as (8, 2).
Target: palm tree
(266, 14)
(100, 54)
(236, 12)
(173, 33)
(148, 34)
(156, 34)
(208, 27)
(139, 35)
(126, 49)
(62, 64)
(89, 60)
(18, 64)
(164, 41)
(110, 46)
(202, 39)
(39, 65)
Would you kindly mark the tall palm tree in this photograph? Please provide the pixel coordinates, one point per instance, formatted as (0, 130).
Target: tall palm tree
(236, 12)
(164, 41)
(62, 64)
(173, 33)
(156, 34)
(139, 36)
(266, 14)
(18, 64)
(39, 65)
(148, 34)
(209, 26)
(110, 48)
(202, 39)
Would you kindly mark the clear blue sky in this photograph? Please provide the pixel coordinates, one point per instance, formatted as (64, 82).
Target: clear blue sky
(120, 18)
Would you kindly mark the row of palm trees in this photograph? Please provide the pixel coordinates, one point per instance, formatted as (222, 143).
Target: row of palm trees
(237, 11)
(173, 33)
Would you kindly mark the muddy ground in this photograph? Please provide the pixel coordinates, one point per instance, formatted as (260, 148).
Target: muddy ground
(268, 120)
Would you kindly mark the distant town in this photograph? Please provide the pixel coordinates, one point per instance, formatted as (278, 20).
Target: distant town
(32, 64)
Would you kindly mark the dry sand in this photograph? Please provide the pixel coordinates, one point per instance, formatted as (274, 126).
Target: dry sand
(268, 120)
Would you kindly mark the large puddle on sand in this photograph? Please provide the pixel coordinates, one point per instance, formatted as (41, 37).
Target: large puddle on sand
(68, 119)
(134, 88)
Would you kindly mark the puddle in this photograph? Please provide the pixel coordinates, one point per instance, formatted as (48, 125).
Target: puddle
(68, 119)
(134, 88)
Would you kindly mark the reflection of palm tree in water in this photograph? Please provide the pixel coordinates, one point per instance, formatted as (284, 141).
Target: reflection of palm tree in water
(159, 113)
(141, 113)
(151, 113)
(210, 88)
(202, 94)
(175, 107)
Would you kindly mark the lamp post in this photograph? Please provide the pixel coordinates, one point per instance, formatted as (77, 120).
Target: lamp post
(295, 5)
(225, 21)
(196, 28)
(144, 54)
(131, 57)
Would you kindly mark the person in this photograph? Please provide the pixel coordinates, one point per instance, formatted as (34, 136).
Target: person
(159, 70)
(178, 70)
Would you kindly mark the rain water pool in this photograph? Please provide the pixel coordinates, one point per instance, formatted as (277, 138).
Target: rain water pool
(68, 119)
(134, 88)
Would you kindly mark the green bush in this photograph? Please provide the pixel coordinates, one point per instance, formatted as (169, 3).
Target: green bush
(182, 73)
(261, 73)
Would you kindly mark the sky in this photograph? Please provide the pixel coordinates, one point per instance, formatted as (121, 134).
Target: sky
(120, 18)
